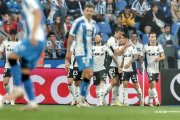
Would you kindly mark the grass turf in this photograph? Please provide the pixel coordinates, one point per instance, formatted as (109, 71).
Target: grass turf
(65, 112)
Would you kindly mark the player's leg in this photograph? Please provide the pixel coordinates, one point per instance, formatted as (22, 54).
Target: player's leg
(77, 90)
(6, 86)
(125, 82)
(70, 85)
(137, 87)
(96, 80)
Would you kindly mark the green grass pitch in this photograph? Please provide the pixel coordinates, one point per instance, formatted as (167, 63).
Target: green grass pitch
(65, 112)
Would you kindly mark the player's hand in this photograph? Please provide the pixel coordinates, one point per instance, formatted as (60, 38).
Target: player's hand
(68, 55)
(67, 66)
(119, 69)
(157, 60)
(127, 65)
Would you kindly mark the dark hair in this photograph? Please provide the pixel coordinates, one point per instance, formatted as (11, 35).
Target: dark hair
(89, 5)
(100, 34)
(151, 33)
(126, 36)
(51, 33)
(167, 25)
(133, 33)
(119, 29)
(13, 32)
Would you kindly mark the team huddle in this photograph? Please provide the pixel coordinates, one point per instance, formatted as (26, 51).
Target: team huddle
(116, 59)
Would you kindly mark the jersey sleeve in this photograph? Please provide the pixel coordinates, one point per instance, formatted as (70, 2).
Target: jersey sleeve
(2, 46)
(134, 51)
(144, 50)
(161, 50)
(108, 50)
(74, 28)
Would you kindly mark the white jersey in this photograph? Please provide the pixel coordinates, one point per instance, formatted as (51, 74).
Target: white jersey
(139, 47)
(7, 46)
(73, 60)
(127, 58)
(84, 32)
(29, 6)
(152, 52)
(99, 57)
(114, 45)
(120, 57)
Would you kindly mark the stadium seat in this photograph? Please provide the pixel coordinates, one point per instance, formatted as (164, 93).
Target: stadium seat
(104, 27)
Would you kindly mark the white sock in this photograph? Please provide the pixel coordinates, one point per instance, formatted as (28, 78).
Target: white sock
(125, 95)
(150, 96)
(139, 91)
(109, 87)
(115, 93)
(88, 90)
(102, 90)
(7, 88)
(98, 93)
(71, 88)
(77, 94)
(155, 96)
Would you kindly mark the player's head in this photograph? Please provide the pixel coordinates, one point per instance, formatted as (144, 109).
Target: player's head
(152, 37)
(118, 33)
(7, 16)
(134, 36)
(125, 38)
(98, 38)
(13, 34)
(88, 10)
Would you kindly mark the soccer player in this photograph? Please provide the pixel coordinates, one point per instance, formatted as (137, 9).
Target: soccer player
(8, 45)
(154, 53)
(113, 68)
(100, 74)
(83, 30)
(29, 51)
(73, 75)
(129, 71)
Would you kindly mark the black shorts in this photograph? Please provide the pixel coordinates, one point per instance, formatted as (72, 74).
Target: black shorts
(127, 75)
(98, 76)
(153, 77)
(112, 72)
(7, 72)
(75, 74)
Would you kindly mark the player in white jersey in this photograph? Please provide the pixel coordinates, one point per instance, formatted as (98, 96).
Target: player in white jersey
(7, 46)
(100, 73)
(113, 67)
(29, 51)
(83, 30)
(129, 71)
(154, 54)
(73, 75)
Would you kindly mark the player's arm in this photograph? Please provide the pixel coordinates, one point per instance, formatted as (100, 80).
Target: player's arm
(109, 51)
(1, 50)
(161, 56)
(135, 57)
(121, 51)
(37, 20)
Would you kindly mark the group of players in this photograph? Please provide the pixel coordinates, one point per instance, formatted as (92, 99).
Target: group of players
(117, 59)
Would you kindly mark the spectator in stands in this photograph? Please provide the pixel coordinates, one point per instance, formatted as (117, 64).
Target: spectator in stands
(59, 28)
(164, 6)
(74, 8)
(118, 24)
(100, 6)
(9, 23)
(46, 6)
(54, 8)
(110, 11)
(175, 12)
(140, 8)
(145, 37)
(62, 11)
(68, 23)
(48, 27)
(153, 18)
(53, 49)
(166, 38)
(128, 19)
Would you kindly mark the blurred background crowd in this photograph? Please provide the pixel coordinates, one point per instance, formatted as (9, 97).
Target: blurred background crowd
(133, 16)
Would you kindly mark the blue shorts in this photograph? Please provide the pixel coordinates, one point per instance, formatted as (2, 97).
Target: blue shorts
(84, 63)
(28, 53)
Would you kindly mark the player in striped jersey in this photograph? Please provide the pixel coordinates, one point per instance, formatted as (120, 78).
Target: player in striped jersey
(7, 46)
(129, 71)
(73, 75)
(83, 30)
(154, 53)
(100, 73)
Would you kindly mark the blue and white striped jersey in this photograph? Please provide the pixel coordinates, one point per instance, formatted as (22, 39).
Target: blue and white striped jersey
(28, 7)
(84, 32)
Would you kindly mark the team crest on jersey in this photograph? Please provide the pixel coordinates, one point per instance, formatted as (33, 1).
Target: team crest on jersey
(89, 32)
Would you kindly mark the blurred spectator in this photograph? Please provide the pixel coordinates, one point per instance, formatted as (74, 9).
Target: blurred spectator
(128, 19)
(53, 49)
(145, 37)
(48, 27)
(167, 39)
(68, 23)
(110, 11)
(175, 11)
(62, 11)
(54, 7)
(3, 8)
(118, 24)
(153, 18)
(100, 6)
(164, 6)
(59, 28)
(9, 23)
(46, 6)
(74, 8)
(140, 8)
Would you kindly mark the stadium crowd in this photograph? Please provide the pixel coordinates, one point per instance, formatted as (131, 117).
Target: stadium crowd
(139, 19)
